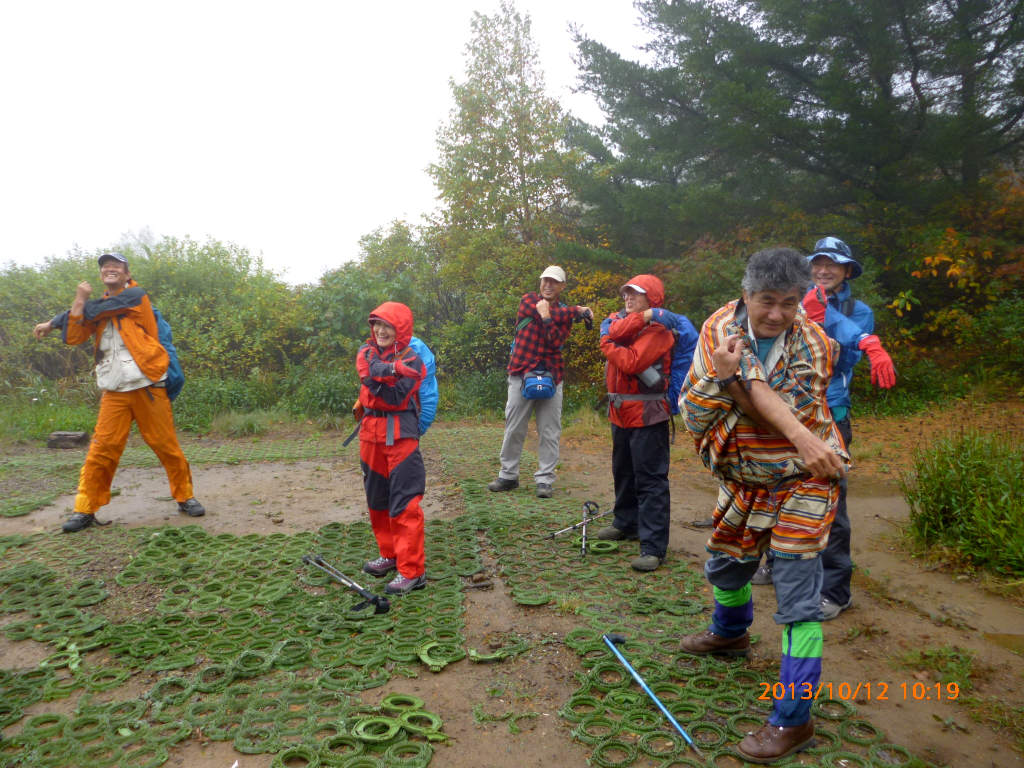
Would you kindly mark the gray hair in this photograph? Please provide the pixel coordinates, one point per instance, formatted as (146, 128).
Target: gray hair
(781, 270)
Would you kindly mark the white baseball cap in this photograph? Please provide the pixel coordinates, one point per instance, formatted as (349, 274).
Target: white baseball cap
(634, 286)
(555, 273)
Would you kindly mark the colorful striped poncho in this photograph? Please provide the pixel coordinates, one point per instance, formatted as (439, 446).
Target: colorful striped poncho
(763, 482)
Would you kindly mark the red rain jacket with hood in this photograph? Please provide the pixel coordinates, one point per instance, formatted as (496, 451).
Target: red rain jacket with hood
(390, 397)
(632, 346)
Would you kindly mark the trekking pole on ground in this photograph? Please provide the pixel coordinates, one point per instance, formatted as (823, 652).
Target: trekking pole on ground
(612, 641)
(380, 604)
(587, 505)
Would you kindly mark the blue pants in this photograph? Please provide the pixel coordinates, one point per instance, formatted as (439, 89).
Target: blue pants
(798, 599)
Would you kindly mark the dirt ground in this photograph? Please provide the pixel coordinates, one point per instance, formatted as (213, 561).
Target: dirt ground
(900, 604)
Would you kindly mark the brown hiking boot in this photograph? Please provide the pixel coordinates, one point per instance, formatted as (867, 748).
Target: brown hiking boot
(707, 642)
(774, 742)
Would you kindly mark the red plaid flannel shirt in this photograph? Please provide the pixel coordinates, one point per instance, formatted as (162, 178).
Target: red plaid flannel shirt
(539, 344)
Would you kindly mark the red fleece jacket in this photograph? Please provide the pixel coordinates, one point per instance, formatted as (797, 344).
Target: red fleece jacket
(632, 346)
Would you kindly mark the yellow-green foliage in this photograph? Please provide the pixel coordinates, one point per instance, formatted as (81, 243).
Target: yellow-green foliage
(229, 313)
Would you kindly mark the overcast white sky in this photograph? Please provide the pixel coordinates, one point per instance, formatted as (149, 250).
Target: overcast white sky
(289, 128)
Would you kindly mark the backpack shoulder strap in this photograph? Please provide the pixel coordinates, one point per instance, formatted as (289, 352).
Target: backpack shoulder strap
(846, 307)
(523, 323)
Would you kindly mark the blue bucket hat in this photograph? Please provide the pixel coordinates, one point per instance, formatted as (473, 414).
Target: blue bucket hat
(839, 252)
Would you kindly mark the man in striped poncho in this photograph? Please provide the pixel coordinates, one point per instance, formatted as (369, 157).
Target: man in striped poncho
(755, 405)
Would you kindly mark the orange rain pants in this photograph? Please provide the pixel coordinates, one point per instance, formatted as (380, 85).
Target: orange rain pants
(395, 478)
(150, 408)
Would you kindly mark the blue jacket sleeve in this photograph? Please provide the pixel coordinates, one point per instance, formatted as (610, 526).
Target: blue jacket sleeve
(429, 394)
(843, 329)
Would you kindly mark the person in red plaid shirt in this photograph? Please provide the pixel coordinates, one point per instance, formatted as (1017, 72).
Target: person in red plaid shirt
(542, 326)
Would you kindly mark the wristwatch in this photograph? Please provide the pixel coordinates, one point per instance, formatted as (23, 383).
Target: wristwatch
(724, 383)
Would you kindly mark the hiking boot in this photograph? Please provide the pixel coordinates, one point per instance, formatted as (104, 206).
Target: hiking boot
(832, 609)
(382, 566)
(192, 508)
(543, 491)
(762, 576)
(646, 563)
(706, 523)
(501, 484)
(707, 642)
(403, 586)
(775, 742)
(611, 533)
(78, 522)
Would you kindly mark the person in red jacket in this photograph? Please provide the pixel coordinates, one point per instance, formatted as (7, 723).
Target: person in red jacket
(639, 353)
(389, 446)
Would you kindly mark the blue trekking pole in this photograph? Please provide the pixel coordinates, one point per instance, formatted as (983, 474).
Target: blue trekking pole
(611, 641)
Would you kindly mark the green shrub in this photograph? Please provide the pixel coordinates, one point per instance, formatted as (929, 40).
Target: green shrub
(250, 424)
(316, 392)
(473, 394)
(967, 493)
(921, 383)
(202, 399)
(997, 333)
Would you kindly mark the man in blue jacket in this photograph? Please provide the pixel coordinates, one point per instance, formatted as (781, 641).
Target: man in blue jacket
(852, 324)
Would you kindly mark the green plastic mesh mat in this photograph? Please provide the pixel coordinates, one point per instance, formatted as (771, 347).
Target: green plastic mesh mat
(253, 647)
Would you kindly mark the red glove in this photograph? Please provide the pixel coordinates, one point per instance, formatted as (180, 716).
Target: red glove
(815, 304)
(401, 369)
(883, 372)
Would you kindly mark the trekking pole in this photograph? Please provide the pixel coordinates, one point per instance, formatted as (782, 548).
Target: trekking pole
(593, 505)
(583, 540)
(612, 641)
(588, 506)
(380, 604)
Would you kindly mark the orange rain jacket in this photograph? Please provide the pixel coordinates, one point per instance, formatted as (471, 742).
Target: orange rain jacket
(133, 313)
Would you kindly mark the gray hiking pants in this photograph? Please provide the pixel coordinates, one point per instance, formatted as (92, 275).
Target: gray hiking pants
(517, 419)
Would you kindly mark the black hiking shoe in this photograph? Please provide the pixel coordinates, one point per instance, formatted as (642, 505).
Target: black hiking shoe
(544, 491)
(192, 508)
(79, 522)
(501, 484)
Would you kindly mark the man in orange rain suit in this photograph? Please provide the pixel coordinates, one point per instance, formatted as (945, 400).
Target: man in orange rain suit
(131, 368)
(389, 446)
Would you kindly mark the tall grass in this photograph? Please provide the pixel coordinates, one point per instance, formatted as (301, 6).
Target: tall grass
(966, 492)
(35, 410)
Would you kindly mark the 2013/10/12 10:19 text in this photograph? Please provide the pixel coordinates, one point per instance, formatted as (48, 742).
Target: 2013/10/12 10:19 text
(847, 691)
